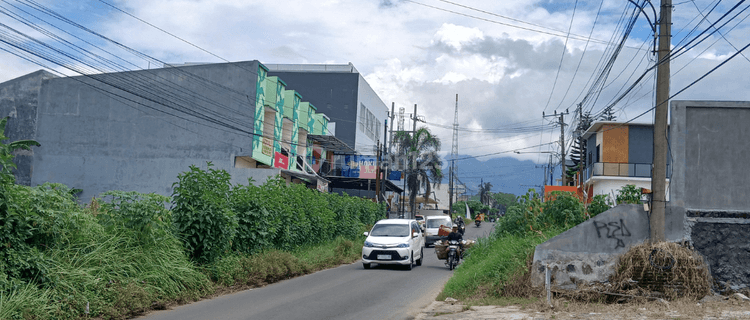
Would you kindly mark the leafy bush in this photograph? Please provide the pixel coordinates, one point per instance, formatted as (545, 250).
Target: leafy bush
(201, 215)
(629, 194)
(598, 205)
(285, 217)
(563, 210)
(33, 220)
(523, 217)
(144, 214)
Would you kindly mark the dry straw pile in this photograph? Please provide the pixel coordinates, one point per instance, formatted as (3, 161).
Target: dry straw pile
(663, 269)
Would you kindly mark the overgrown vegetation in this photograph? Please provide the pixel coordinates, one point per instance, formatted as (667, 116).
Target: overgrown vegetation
(496, 268)
(126, 253)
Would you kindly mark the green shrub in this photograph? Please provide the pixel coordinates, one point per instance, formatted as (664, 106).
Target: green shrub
(33, 220)
(257, 217)
(562, 210)
(629, 194)
(522, 217)
(201, 214)
(145, 214)
(598, 205)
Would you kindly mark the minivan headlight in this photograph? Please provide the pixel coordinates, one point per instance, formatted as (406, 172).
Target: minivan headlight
(369, 244)
(403, 245)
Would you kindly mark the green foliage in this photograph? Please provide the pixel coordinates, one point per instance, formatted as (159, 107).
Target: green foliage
(58, 257)
(504, 200)
(490, 264)
(274, 265)
(277, 216)
(598, 205)
(629, 194)
(144, 214)
(475, 206)
(201, 213)
(562, 210)
(523, 217)
(420, 151)
(121, 255)
(6, 153)
(33, 220)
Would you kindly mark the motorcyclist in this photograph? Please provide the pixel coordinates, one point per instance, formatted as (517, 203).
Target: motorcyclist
(456, 235)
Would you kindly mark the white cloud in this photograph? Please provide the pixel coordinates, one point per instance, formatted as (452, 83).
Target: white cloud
(411, 54)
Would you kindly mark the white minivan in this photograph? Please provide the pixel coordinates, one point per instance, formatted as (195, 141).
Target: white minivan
(394, 241)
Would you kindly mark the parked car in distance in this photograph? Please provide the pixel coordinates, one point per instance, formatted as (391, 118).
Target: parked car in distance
(432, 225)
(394, 241)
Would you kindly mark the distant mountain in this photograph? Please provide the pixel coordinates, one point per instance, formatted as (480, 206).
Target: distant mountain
(506, 174)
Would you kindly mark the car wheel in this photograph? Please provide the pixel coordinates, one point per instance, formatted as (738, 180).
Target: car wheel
(421, 257)
(411, 262)
(366, 265)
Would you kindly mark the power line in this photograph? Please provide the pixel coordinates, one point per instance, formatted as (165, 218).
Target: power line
(562, 56)
(581, 38)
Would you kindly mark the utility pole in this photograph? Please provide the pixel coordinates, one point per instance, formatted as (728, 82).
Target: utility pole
(454, 152)
(393, 115)
(413, 206)
(561, 122)
(659, 176)
(377, 174)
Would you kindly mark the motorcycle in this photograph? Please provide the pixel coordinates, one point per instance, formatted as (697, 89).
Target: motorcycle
(453, 254)
(461, 226)
(477, 222)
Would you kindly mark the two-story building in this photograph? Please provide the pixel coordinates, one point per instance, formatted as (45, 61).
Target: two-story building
(618, 154)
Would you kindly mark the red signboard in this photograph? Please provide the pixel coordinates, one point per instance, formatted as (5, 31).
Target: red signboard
(280, 161)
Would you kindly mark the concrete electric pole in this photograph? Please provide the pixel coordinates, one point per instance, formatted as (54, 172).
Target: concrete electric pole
(659, 173)
(561, 122)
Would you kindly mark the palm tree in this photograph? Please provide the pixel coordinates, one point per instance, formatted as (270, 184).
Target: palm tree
(484, 192)
(418, 156)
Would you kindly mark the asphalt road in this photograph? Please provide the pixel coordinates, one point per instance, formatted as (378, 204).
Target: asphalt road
(346, 292)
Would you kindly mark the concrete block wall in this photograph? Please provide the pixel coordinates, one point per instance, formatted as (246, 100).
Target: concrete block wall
(589, 251)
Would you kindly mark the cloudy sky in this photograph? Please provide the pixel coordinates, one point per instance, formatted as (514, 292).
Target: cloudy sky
(508, 61)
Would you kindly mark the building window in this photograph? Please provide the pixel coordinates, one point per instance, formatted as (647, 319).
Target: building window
(368, 123)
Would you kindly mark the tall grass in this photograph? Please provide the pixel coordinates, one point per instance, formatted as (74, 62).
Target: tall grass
(243, 270)
(490, 264)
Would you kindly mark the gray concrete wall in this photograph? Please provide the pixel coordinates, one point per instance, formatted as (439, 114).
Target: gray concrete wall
(588, 252)
(18, 100)
(709, 187)
(98, 138)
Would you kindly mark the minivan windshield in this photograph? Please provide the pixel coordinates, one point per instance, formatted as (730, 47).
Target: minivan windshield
(390, 230)
(435, 223)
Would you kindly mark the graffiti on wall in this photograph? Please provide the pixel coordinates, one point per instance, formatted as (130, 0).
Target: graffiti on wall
(613, 230)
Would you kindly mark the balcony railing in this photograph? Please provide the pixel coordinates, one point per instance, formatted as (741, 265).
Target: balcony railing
(632, 170)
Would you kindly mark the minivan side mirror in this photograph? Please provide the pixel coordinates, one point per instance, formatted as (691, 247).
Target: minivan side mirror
(414, 234)
(366, 234)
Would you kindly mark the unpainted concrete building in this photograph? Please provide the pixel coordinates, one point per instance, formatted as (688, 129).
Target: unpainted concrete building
(138, 130)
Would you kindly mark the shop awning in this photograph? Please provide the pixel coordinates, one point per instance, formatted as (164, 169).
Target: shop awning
(362, 184)
(331, 144)
(310, 178)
